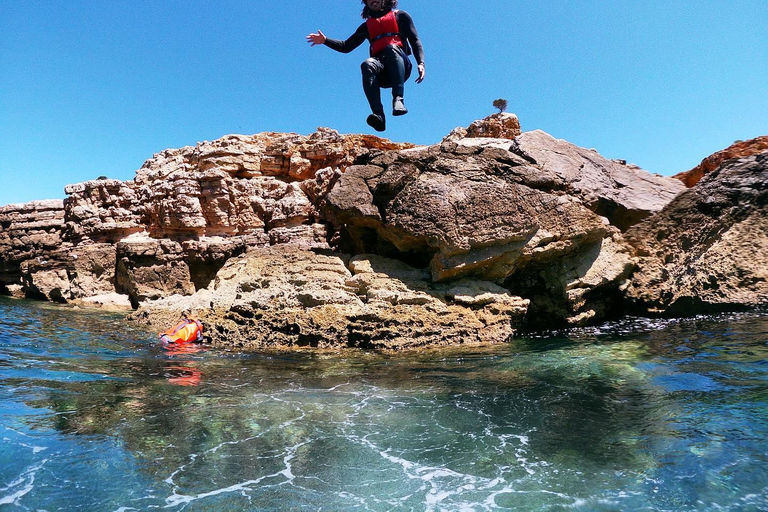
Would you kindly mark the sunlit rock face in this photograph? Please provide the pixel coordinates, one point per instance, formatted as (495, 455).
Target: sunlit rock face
(29, 234)
(287, 296)
(706, 251)
(621, 192)
(333, 240)
(497, 126)
(538, 215)
(739, 149)
(177, 222)
(239, 185)
(38, 260)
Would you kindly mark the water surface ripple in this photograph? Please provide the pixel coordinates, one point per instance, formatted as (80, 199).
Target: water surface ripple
(637, 415)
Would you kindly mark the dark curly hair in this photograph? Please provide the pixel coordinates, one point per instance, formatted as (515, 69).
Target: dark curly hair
(387, 6)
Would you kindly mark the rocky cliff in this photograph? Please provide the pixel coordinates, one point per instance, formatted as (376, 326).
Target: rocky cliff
(537, 215)
(175, 224)
(29, 234)
(739, 149)
(707, 250)
(352, 240)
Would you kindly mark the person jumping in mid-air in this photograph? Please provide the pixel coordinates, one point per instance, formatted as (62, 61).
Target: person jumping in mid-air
(392, 35)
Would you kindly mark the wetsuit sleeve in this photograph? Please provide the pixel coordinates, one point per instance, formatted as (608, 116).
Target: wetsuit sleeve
(346, 46)
(405, 24)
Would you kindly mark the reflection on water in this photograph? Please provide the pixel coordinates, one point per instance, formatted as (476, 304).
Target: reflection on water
(186, 372)
(183, 375)
(632, 416)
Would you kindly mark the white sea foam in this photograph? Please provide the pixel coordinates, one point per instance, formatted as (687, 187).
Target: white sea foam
(178, 499)
(21, 486)
(35, 449)
(287, 473)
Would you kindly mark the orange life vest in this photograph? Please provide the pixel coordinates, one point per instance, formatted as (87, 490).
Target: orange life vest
(186, 331)
(383, 32)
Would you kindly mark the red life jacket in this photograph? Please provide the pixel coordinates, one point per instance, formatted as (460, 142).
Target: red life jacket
(383, 32)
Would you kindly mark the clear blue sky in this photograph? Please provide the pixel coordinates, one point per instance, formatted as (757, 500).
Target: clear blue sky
(91, 88)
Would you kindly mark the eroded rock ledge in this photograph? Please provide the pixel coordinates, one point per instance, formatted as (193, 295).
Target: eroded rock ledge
(287, 296)
(333, 240)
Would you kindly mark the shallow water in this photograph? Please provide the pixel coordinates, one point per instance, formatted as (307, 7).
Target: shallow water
(94, 415)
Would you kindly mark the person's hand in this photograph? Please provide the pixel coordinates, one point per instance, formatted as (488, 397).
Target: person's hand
(421, 74)
(318, 38)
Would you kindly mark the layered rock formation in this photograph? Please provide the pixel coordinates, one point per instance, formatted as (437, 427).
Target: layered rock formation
(474, 237)
(328, 240)
(708, 249)
(739, 149)
(29, 234)
(625, 194)
(186, 212)
(288, 296)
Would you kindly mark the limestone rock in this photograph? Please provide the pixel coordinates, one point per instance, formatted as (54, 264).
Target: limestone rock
(539, 216)
(241, 185)
(706, 251)
(622, 193)
(498, 126)
(739, 149)
(13, 290)
(48, 283)
(101, 210)
(287, 296)
(577, 288)
(31, 249)
(334, 240)
(186, 212)
(91, 270)
(107, 302)
(149, 269)
(69, 273)
(28, 231)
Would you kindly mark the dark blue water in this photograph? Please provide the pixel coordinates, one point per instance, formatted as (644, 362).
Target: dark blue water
(94, 415)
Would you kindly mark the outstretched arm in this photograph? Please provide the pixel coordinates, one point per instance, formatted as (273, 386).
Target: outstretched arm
(345, 46)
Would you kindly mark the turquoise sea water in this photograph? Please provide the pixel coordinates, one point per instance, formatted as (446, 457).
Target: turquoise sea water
(640, 415)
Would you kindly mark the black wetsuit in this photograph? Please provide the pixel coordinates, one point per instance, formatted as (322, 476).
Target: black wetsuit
(391, 68)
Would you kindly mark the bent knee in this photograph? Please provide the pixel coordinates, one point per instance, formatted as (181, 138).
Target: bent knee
(370, 65)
